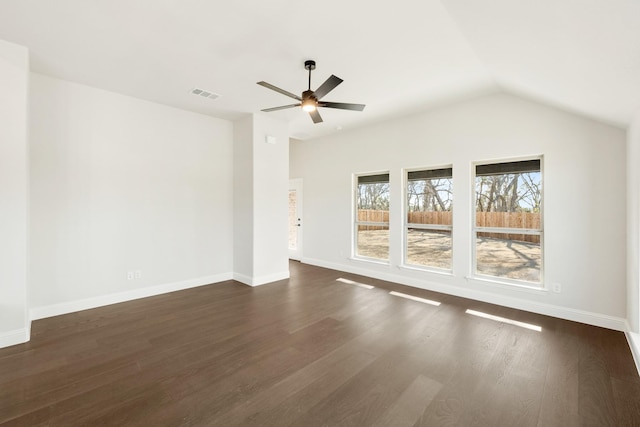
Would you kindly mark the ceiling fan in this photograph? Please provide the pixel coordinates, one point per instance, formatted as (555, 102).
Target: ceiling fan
(311, 100)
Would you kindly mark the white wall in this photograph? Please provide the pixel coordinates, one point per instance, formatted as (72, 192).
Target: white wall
(584, 193)
(271, 202)
(633, 237)
(14, 76)
(261, 183)
(633, 224)
(243, 198)
(120, 184)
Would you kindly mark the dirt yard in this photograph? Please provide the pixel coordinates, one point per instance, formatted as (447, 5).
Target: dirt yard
(496, 257)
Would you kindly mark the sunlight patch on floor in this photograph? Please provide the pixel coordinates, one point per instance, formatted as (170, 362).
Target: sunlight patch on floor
(505, 320)
(411, 297)
(351, 282)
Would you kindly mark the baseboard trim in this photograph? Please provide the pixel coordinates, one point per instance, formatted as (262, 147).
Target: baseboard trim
(260, 280)
(36, 313)
(589, 318)
(633, 339)
(245, 280)
(17, 336)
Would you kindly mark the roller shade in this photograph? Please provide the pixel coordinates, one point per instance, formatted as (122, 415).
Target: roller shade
(510, 167)
(373, 179)
(430, 174)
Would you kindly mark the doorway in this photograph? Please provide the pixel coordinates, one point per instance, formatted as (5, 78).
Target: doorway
(295, 219)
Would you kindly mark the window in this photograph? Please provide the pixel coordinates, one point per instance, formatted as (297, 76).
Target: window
(429, 223)
(372, 217)
(508, 223)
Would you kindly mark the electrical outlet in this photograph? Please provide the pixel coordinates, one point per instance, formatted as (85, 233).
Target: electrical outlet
(138, 274)
(129, 275)
(557, 288)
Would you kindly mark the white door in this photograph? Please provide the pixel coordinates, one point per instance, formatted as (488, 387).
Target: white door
(295, 219)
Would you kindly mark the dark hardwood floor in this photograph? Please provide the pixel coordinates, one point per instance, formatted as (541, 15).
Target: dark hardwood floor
(312, 351)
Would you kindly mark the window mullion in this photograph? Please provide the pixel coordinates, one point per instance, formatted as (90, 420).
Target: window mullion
(503, 230)
(430, 226)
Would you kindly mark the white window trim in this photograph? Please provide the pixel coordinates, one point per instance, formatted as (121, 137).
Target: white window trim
(356, 223)
(496, 280)
(406, 225)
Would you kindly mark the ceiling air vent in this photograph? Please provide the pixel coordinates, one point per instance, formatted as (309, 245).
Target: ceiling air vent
(204, 93)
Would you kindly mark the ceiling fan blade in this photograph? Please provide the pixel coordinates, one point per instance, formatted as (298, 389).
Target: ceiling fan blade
(277, 89)
(326, 87)
(266, 110)
(342, 105)
(315, 116)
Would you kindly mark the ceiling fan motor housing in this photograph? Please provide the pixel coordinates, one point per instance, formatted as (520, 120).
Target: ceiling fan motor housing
(308, 94)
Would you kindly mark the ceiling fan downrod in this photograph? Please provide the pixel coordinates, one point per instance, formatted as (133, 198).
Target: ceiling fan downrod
(309, 65)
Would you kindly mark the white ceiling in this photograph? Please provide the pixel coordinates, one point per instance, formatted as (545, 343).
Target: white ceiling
(396, 57)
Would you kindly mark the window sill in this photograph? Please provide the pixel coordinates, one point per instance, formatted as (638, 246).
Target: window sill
(441, 272)
(370, 260)
(496, 282)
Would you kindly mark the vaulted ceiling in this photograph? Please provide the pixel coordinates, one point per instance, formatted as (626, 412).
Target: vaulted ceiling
(396, 57)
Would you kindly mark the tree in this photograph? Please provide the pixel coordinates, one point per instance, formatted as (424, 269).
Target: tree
(373, 196)
(429, 195)
(515, 192)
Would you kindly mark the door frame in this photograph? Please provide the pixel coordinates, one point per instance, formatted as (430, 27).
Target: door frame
(296, 184)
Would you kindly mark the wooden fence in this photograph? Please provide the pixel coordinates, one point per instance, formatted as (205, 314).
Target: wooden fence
(440, 218)
(510, 220)
(371, 215)
(483, 219)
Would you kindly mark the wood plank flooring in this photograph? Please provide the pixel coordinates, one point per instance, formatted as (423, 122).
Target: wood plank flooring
(312, 351)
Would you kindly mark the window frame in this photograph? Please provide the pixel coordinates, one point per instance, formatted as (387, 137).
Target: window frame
(356, 223)
(541, 285)
(406, 225)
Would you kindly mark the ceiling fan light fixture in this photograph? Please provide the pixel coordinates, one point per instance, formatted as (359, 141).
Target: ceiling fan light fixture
(309, 105)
